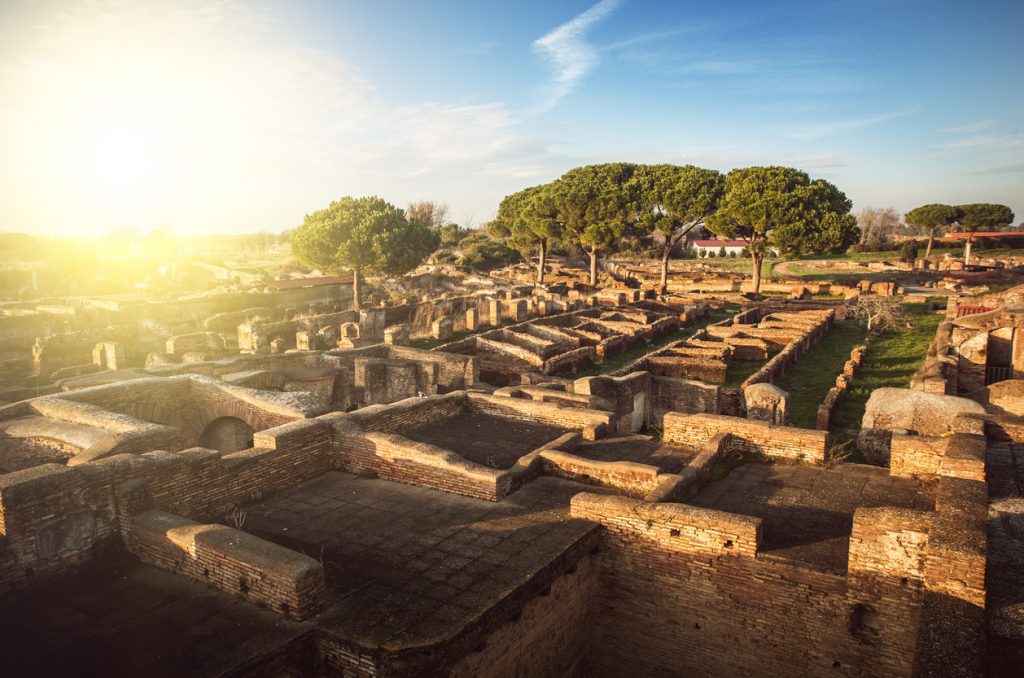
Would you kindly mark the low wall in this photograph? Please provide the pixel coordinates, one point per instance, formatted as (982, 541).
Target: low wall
(630, 477)
(287, 582)
(592, 423)
(960, 455)
(783, 442)
(683, 396)
(53, 518)
(823, 419)
(393, 457)
(570, 361)
(408, 414)
(806, 337)
(722, 608)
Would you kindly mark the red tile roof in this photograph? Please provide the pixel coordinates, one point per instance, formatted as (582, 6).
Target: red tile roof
(720, 243)
(984, 234)
(312, 282)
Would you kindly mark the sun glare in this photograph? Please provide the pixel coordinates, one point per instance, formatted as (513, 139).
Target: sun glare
(120, 155)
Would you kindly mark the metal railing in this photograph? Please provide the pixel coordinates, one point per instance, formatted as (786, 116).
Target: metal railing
(996, 373)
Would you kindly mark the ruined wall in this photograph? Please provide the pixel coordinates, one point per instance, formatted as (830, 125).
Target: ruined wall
(683, 396)
(754, 436)
(593, 423)
(683, 591)
(549, 638)
(289, 583)
(408, 414)
(53, 518)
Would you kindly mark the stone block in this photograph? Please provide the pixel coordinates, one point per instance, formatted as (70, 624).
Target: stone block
(441, 329)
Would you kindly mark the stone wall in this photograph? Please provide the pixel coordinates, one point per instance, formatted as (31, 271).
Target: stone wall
(53, 517)
(784, 442)
(287, 582)
(684, 591)
(549, 638)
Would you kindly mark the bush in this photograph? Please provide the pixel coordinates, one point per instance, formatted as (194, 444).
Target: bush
(482, 253)
(908, 251)
(733, 254)
(703, 253)
(721, 251)
(712, 254)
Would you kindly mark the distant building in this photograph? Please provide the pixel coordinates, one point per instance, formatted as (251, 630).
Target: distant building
(698, 246)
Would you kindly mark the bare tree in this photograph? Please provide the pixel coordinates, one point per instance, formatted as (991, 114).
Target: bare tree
(877, 223)
(433, 214)
(879, 313)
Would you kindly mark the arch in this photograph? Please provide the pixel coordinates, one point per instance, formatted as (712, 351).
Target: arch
(227, 434)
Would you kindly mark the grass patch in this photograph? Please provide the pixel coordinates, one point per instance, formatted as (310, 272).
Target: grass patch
(430, 342)
(891, 361)
(737, 371)
(809, 380)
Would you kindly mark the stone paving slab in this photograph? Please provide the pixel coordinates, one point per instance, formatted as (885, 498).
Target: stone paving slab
(407, 565)
(807, 511)
(486, 439)
(637, 448)
(118, 617)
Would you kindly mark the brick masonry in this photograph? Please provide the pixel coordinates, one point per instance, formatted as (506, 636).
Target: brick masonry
(784, 442)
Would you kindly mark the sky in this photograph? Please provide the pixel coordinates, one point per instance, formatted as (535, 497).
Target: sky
(230, 116)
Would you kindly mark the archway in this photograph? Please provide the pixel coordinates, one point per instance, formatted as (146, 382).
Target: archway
(227, 434)
(999, 355)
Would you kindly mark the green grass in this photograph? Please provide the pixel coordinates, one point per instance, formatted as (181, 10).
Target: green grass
(891, 361)
(620, 360)
(429, 342)
(737, 371)
(809, 380)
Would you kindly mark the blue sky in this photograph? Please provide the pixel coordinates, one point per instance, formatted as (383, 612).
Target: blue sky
(291, 104)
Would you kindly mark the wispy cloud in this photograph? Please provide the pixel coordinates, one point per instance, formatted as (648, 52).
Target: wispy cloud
(972, 128)
(826, 129)
(653, 37)
(816, 161)
(989, 141)
(1010, 168)
(569, 54)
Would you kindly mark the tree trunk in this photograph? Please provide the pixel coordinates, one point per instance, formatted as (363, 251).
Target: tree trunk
(928, 250)
(967, 251)
(756, 258)
(540, 264)
(355, 289)
(664, 265)
(593, 266)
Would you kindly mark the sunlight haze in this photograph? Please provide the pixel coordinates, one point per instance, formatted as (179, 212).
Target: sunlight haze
(235, 117)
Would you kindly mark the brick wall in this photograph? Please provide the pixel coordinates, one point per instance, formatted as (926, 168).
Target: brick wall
(408, 414)
(53, 518)
(455, 371)
(961, 455)
(287, 582)
(685, 592)
(630, 477)
(683, 396)
(570, 361)
(593, 423)
(785, 442)
(703, 369)
(396, 458)
(549, 638)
